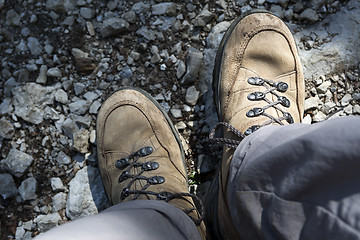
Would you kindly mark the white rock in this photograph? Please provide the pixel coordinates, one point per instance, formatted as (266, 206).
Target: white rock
(57, 184)
(30, 101)
(340, 50)
(192, 96)
(324, 87)
(356, 109)
(61, 96)
(346, 100)
(307, 119)
(45, 222)
(181, 69)
(93, 136)
(165, 8)
(27, 189)
(54, 72)
(94, 108)
(81, 202)
(34, 45)
(312, 102)
(176, 113)
(59, 201)
(79, 107)
(6, 106)
(17, 162)
(42, 78)
(180, 125)
(20, 232)
(62, 158)
(348, 109)
(319, 117)
(81, 140)
(216, 34)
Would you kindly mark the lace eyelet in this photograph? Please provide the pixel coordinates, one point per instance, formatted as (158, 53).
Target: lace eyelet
(148, 166)
(281, 86)
(122, 163)
(251, 129)
(256, 81)
(163, 195)
(289, 118)
(284, 101)
(256, 96)
(255, 112)
(124, 193)
(145, 151)
(156, 180)
(124, 175)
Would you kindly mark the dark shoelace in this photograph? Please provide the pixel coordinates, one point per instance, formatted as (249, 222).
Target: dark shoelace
(131, 161)
(270, 88)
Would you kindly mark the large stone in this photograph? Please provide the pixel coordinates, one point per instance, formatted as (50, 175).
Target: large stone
(146, 33)
(341, 49)
(61, 96)
(34, 45)
(203, 18)
(140, 7)
(6, 129)
(113, 26)
(81, 140)
(86, 194)
(59, 201)
(324, 87)
(13, 18)
(312, 103)
(309, 15)
(346, 100)
(63, 159)
(30, 101)
(45, 222)
(79, 107)
(7, 187)
(62, 6)
(216, 34)
(84, 62)
(87, 13)
(193, 62)
(192, 95)
(57, 184)
(165, 8)
(17, 162)
(27, 189)
(6, 106)
(42, 78)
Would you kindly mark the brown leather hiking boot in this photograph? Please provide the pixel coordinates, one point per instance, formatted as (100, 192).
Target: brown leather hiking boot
(140, 153)
(258, 81)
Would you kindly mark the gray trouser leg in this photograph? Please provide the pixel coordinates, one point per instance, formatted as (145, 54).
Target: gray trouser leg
(140, 219)
(298, 182)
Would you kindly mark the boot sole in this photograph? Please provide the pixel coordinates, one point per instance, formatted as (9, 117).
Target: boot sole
(171, 125)
(216, 84)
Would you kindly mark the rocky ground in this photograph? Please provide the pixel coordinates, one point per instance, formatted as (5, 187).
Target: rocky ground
(61, 59)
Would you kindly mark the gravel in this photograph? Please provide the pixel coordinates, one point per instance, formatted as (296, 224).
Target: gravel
(55, 78)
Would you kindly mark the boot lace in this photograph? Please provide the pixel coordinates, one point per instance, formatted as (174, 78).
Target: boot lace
(270, 88)
(126, 164)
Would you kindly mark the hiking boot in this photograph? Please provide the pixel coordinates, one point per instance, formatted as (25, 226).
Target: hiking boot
(258, 81)
(140, 153)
